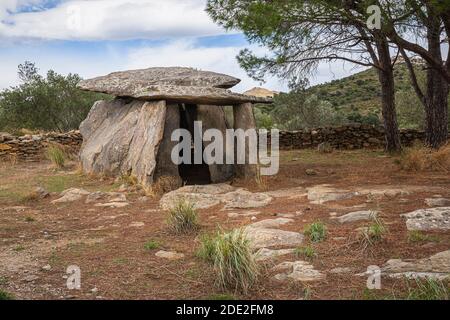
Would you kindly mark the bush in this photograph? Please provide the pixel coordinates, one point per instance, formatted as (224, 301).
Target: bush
(316, 231)
(234, 264)
(420, 158)
(183, 218)
(57, 156)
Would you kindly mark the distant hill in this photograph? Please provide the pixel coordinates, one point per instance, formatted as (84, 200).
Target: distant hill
(261, 92)
(361, 91)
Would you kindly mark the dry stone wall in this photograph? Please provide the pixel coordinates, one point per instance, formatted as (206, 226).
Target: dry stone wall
(32, 147)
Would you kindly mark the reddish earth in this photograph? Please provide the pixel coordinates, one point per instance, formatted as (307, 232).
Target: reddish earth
(113, 259)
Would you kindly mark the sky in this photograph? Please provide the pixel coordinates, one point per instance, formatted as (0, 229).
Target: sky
(96, 37)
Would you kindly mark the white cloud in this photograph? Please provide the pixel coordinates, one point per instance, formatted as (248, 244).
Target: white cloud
(108, 19)
(185, 54)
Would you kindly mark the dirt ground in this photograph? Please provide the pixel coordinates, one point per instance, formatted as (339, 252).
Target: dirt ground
(109, 244)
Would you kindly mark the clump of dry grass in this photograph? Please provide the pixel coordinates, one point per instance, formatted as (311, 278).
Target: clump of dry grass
(56, 155)
(183, 218)
(231, 255)
(162, 185)
(419, 158)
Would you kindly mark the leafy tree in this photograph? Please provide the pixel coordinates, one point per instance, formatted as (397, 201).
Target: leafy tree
(44, 103)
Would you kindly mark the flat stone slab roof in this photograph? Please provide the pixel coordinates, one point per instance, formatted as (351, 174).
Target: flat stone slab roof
(176, 84)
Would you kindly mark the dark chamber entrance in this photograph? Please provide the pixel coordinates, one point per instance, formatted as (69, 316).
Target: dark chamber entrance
(192, 173)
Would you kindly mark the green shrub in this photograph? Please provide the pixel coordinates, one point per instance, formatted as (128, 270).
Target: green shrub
(5, 295)
(57, 156)
(234, 264)
(316, 231)
(152, 245)
(183, 218)
(306, 252)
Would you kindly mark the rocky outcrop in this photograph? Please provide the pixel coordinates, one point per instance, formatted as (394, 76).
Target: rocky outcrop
(428, 219)
(122, 137)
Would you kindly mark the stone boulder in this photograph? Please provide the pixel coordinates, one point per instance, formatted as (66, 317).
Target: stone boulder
(122, 137)
(428, 219)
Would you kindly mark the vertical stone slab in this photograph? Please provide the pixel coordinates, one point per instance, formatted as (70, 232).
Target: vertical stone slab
(244, 119)
(164, 163)
(213, 117)
(147, 136)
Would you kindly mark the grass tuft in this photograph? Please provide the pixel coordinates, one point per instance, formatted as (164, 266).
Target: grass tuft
(373, 234)
(419, 158)
(152, 245)
(183, 218)
(428, 289)
(56, 155)
(316, 231)
(5, 295)
(417, 236)
(234, 264)
(305, 252)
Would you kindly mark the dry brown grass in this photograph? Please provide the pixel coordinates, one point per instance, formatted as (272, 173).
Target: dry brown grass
(162, 185)
(420, 158)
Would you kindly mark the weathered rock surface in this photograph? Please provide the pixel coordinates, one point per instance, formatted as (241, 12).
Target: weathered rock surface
(211, 195)
(437, 202)
(325, 193)
(271, 223)
(428, 219)
(297, 271)
(357, 216)
(266, 238)
(214, 118)
(170, 255)
(265, 254)
(296, 192)
(123, 138)
(243, 199)
(436, 266)
(173, 84)
(72, 194)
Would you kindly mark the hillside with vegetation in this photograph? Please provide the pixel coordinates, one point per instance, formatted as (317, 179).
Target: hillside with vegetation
(353, 99)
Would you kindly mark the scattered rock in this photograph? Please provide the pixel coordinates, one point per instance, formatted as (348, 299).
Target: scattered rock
(437, 202)
(436, 266)
(357, 216)
(136, 224)
(311, 172)
(47, 267)
(113, 204)
(428, 219)
(94, 290)
(296, 192)
(106, 196)
(340, 270)
(265, 254)
(297, 271)
(243, 199)
(170, 255)
(266, 238)
(325, 193)
(70, 195)
(271, 223)
(41, 193)
(243, 214)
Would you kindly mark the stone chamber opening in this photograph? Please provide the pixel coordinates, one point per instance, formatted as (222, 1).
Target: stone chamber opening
(192, 174)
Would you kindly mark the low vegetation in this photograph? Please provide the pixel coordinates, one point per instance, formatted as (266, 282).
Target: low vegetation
(234, 264)
(307, 252)
(56, 155)
(429, 289)
(419, 158)
(183, 218)
(5, 295)
(417, 236)
(373, 234)
(316, 232)
(162, 185)
(152, 245)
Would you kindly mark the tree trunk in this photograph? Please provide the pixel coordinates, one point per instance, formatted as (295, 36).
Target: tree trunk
(386, 76)
(436, 106)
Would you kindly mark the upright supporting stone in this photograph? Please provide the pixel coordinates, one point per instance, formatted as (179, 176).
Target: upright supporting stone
(122, 137)
(213, 117)
(244, 119)
(164, 163)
